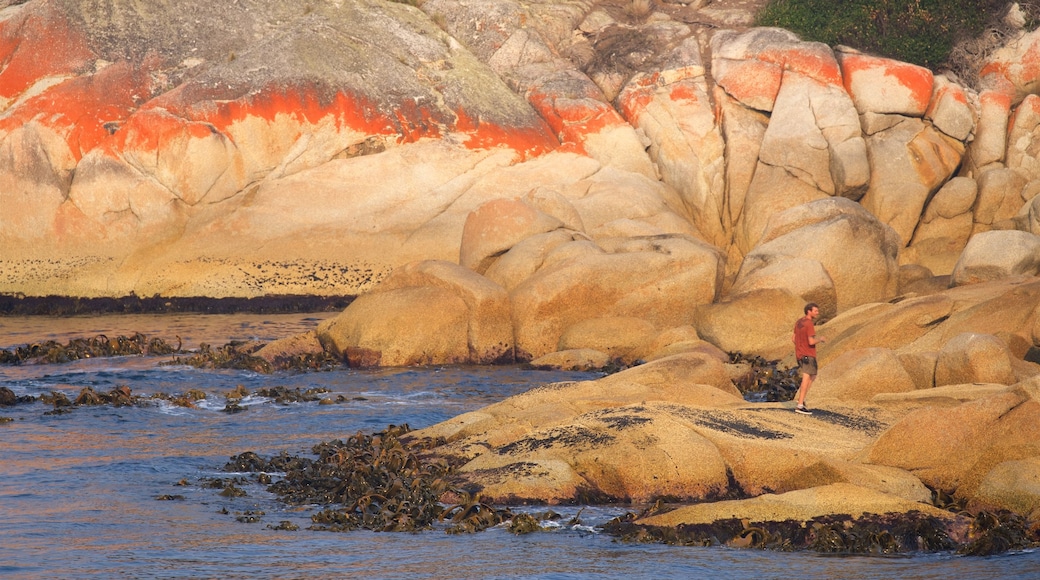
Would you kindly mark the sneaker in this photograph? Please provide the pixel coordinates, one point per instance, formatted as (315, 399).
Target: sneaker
(803, 410)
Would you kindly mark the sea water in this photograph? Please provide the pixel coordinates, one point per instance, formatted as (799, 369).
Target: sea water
(118, 492)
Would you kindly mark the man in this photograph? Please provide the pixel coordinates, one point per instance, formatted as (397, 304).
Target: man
(805, 341)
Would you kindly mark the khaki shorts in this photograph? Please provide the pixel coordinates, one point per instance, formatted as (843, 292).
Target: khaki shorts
(807, 366)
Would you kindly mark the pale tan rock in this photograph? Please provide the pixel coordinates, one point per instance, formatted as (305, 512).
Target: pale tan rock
(752, 322)
(659, 279)
(459, 316)
(889, 480)
(952, 449)
(1024, 138)
(524, 259)
(860, 375)
(615, 336)
(543, 480)
(772, 191)
(803, 277)
(498, 225)
(693, 379)
(1011, 485)
(974, 358)
(997, 254)
(944, 396)
(989, 147)
(814, 134)
(999, 197)
(945, 227)
(632, 453)
(285, 349)
(955, 198)
(909, 162)
(832, 232)
(686, 368)
(953, 110)
(551, 202)
(1002, 308)
(577, 359)
(672, 108)
(743, 130)
(921, 367)
(368, 333)
(667, 336)
(801, 505)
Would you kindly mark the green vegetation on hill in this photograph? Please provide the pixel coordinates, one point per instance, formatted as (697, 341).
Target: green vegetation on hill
(918, 31)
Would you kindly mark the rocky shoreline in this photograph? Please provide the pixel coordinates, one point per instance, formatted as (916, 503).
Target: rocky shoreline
(578, 184)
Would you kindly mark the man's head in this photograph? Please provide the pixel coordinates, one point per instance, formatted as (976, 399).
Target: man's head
(812, 310)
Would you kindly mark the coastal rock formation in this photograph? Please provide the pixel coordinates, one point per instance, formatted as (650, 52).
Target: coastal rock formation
(572, 183)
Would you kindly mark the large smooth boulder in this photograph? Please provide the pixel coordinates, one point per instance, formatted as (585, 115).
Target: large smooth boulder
(995, 255)
(945, 226)
(953, 449)
(833, 232)
(452, 314)
(615, 336)
(999, 199)
(860, 375)
(498, 225)
(659, 279)
(974, 358)
(1011, 485)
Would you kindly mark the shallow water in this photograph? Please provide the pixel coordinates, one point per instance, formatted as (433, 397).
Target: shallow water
(78, 491)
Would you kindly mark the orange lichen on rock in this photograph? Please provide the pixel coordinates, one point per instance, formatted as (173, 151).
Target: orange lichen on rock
(528, 142)
(34, 46)
(573, 119)
(753, 82)
(899, 86)
(814, 61)
(85, 109)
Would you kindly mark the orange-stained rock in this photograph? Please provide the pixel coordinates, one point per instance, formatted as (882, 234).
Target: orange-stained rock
(673, 110)
(1014, 69)
(882, 85)
(750, 65)
(953, 110)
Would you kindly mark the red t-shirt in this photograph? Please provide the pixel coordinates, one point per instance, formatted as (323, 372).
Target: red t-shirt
(803, 329)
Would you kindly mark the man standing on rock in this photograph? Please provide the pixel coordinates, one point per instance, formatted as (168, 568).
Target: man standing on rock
(805, 341)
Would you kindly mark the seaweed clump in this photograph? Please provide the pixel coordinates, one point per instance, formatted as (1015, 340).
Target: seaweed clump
(52, 351)
(373, 482)
(765, 380)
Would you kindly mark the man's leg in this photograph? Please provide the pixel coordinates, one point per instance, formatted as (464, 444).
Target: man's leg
(803, 390)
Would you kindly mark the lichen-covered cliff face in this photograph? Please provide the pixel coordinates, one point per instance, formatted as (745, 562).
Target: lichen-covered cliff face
(263, 148)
